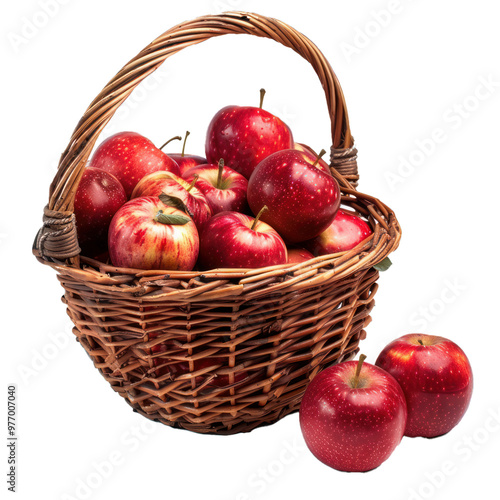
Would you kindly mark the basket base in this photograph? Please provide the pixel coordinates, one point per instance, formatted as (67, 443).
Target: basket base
(222, 429)
(232, 425)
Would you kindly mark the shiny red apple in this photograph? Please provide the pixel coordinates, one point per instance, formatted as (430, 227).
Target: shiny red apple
(186, 161)
(234, 240)
(313, 157)
(298, 255)
(244, 136)
(147, 234)
(345, 232)
(224, 188)
(302, 199)
(97, 199)
(129, 157)
(353, 416)
(435, 376)
(165, 182)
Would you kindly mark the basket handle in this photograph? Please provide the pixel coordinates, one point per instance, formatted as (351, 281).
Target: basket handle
(57, 238)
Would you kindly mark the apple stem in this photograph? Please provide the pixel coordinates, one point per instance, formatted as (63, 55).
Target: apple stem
(420, 342)
(262, 210)
(184, 144)
(176, 138)
(219, 175)
(193, 182)
(321, 153)
(158, 215)
(262, 94)
(362, 358)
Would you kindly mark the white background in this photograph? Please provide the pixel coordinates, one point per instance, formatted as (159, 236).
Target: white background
(418, 69)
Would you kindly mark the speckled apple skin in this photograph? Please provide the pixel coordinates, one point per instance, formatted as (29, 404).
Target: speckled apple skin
(436, 379)
(243, 136)
(129, 157)
(353, 429)
(231, 197)
(302, 200)
(311, 156)
(187, 161)
(344, 233)
(165, 182)
(97, 199)
(227, 241)
(137, 241)
(298, 255)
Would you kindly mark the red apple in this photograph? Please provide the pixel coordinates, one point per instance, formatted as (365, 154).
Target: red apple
(244, 136)
(302, 199)
(97, 199)
(313, 157)
(165, 182)
(344, 233)
(298, 255)
(129, 157)
(224, 188)
(185, 161)
(146, 234)
(234, 240)
(352, 416)
(104, 256)
(435, 376)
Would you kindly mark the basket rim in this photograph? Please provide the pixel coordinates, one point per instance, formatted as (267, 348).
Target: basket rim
(225, 283)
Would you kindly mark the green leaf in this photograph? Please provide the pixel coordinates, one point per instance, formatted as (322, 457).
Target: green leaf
(174, 202)
(383, 265)
(172, 219)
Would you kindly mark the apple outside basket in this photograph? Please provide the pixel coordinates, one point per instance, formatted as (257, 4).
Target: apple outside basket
(269, 331)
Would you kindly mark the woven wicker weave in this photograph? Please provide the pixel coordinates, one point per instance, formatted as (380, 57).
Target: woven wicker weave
(249, 340)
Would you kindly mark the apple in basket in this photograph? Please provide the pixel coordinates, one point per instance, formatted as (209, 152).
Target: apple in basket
(302, 199)
(194, 201)
(97, 199)
(224, 188)
(234, 240)
(185, 161)
(312, 156)
(129, 157)
(244, 135)
(345, 232)
(147, 234)
(353, 416)
(435, 376)
(298, 255)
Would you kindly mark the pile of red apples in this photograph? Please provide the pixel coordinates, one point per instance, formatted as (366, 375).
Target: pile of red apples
(256, 199)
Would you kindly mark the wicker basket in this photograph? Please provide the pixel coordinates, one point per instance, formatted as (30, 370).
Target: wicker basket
(264, 333)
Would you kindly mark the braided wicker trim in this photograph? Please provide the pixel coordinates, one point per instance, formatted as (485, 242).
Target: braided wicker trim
(346, 164)
(57, 238)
